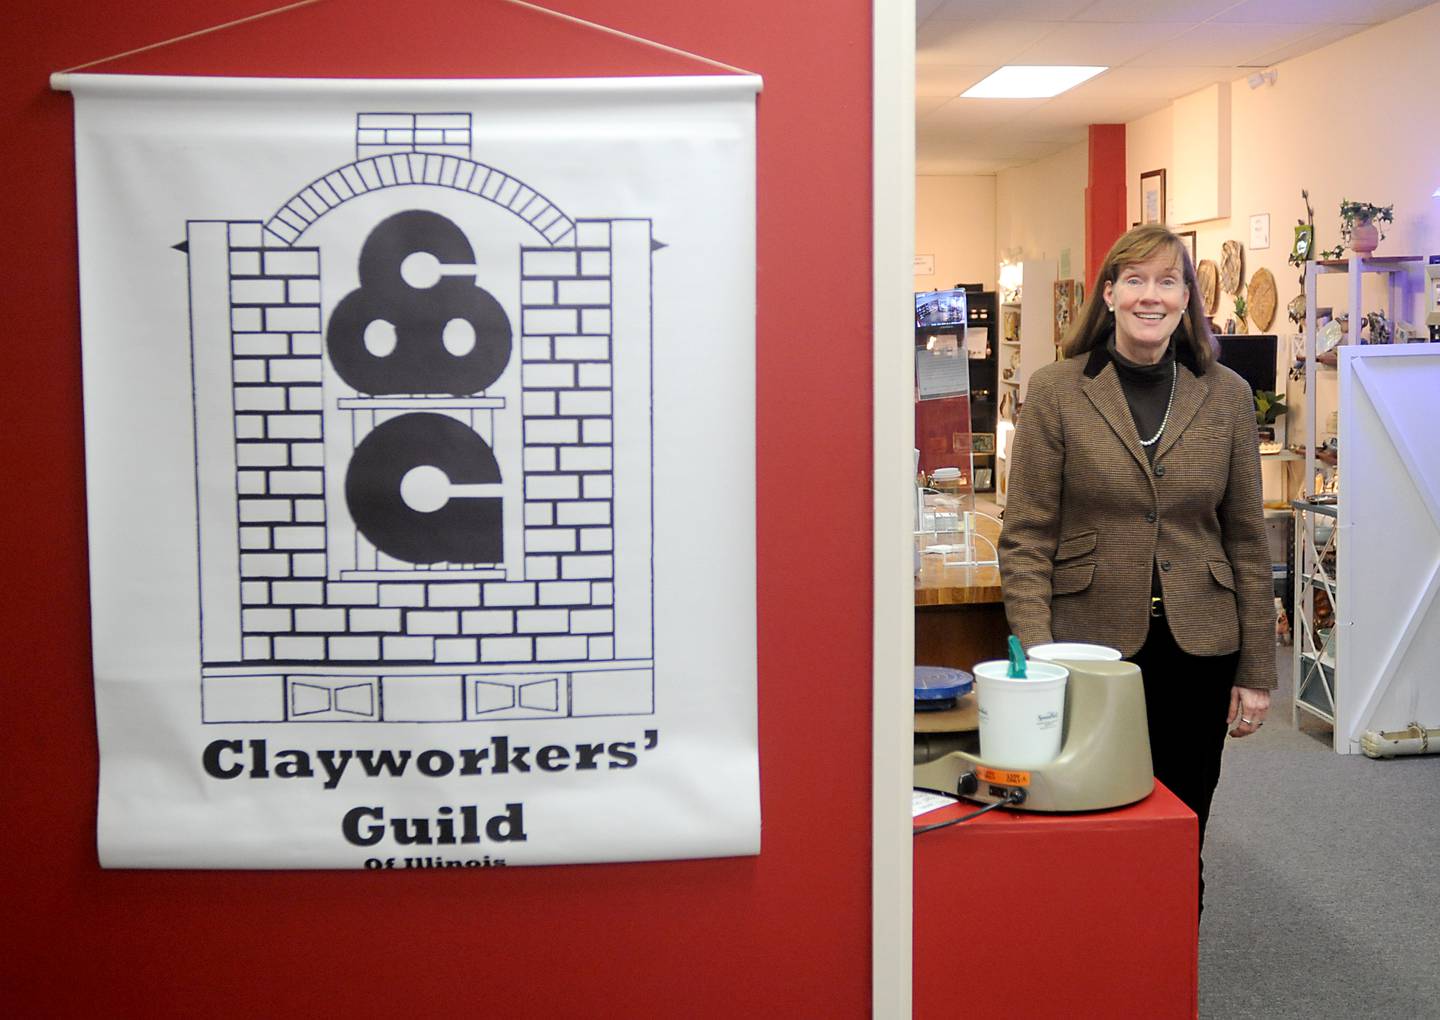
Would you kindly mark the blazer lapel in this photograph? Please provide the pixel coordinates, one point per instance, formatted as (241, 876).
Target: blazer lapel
(1109, 399)
(1190, 393)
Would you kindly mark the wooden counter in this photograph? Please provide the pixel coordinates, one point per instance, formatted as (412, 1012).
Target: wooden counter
(955, 585)
(959, 614)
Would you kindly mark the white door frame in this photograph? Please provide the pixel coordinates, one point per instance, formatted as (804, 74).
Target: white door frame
(893, 628)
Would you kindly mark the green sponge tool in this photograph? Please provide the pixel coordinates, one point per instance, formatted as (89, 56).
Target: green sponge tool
(1017, 658)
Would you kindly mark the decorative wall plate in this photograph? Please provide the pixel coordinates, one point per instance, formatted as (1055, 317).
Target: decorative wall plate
(1209, 277)
(1261, 303)
(1232, 266)
(1296, 309)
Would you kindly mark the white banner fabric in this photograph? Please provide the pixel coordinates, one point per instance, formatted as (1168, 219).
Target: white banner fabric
(420, 430)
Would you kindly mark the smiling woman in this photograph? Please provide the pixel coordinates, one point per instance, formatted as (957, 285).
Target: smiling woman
(1147, 300)
(1173, 570)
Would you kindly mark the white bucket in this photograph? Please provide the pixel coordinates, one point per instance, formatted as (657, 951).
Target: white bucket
(1074, 650)
(1021, 718)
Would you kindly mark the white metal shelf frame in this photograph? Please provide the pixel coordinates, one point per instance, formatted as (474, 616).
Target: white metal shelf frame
(1356, 267)
(1312, 654)
(1316, 662)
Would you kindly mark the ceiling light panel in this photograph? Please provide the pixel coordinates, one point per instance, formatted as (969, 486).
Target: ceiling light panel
(1030, 81)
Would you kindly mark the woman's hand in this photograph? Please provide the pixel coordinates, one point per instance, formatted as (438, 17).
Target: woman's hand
(1248, 708)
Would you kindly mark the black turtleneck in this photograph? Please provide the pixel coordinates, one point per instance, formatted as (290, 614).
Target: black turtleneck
(1147, 390)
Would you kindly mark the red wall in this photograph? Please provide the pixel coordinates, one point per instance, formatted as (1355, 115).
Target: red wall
(1104, 195)
(787, 932)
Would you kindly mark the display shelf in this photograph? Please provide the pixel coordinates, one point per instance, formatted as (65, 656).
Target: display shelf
(1027, 334)
(1315, 656)
(1317, 697)
(1356, 267)
(1314, 647)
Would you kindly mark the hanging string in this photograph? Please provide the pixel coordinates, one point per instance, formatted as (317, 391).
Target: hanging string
(633, 38)
(191, 35)
(307, 3)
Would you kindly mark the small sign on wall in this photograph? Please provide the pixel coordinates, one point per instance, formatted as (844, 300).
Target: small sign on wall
(924, 265)
(1259, 232)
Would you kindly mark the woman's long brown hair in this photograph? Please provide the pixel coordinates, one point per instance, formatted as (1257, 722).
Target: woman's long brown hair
(1139, 244)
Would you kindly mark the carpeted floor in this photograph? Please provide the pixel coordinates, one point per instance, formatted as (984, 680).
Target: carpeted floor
(1322, 880)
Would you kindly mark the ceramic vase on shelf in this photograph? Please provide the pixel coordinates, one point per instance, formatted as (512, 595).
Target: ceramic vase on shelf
(1364, 237)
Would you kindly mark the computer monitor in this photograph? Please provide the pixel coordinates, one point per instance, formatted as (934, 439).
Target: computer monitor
(938, 309)
(1252, 357)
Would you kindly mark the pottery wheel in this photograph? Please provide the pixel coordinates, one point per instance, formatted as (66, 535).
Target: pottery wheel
(1232, 266)
(1209, 278)
(965, 716)
(1261, 304)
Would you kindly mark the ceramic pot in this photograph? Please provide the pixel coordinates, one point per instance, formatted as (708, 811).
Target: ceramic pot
(1364, 238)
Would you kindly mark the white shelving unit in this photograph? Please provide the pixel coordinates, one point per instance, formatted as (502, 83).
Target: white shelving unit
(1314, 647)
(1037, 318)
(1036, 347)
(1318, 539)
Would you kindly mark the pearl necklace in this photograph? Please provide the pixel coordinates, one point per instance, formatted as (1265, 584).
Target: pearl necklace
(1168, 404)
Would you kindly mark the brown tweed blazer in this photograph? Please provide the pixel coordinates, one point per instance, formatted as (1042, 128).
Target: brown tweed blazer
(1087, 516)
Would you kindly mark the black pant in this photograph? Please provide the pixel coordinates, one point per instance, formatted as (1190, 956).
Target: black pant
(1187, 698)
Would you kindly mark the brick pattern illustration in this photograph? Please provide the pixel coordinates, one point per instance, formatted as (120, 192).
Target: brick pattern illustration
(303, 620)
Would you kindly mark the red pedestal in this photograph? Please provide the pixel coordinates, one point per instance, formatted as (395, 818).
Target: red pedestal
(1034, 916)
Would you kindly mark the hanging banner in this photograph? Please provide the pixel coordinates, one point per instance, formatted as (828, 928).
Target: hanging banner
(420, 429)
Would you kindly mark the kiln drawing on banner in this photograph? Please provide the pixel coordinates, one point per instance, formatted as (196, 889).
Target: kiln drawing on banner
(399, 519)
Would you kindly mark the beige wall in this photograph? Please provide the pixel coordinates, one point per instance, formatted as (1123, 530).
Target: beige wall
(1339, 126)
(955, 222)
(1040, 209)
(1352, 120)
(1147, 147)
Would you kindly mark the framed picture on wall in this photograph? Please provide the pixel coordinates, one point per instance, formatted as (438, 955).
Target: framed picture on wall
(982, 442)
(1152, 196)
(1188, 236)
(1064, 307)
(1259, 231)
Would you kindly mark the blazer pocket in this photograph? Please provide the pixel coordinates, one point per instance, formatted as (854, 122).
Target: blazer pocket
(1223, 573)
(1076, 545)
(1072, 578)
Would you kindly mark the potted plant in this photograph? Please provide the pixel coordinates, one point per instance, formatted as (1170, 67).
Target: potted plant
(1361, 227)
(1240, 309)
(1269, 406)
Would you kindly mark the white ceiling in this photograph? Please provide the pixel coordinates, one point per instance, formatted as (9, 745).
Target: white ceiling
(1157, 50)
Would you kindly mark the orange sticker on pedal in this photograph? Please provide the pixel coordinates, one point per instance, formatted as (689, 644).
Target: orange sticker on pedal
(1002, 777)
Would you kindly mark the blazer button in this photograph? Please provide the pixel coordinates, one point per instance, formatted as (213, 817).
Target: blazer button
(1159, 470)
(1165, 565)
(1150, 516)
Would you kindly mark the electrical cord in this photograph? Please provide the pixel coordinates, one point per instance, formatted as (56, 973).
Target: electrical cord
(1013, 797)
